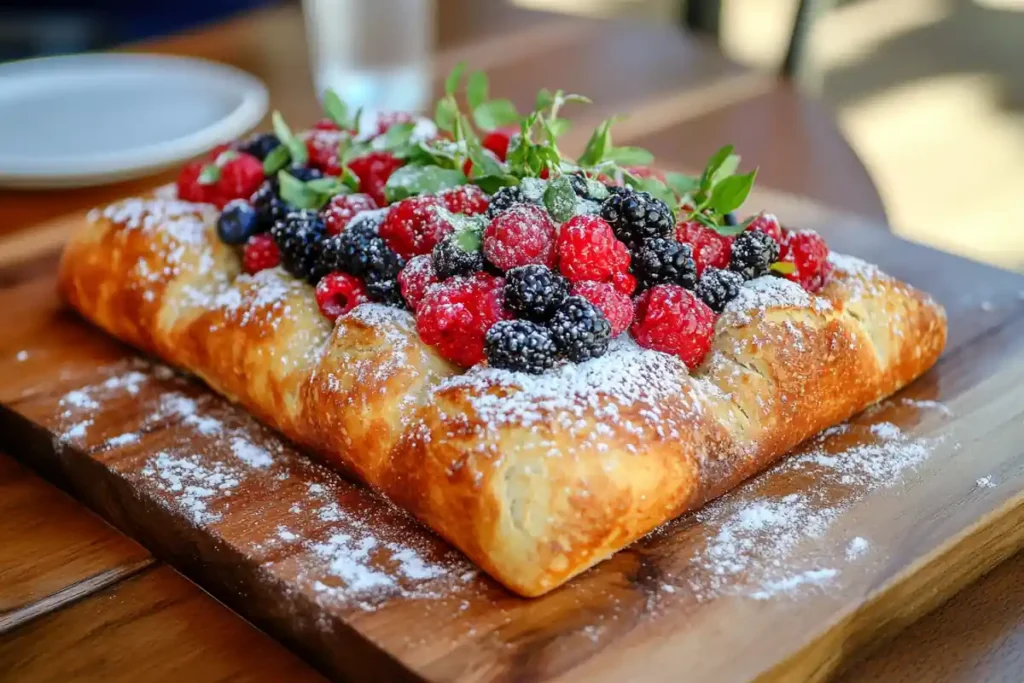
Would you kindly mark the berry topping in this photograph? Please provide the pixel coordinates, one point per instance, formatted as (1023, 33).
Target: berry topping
(665, 262)
(304, 173)
(769, 225)
(718, 287)
(342, 208)
(189, 187)
(520, 345)
(416, 278)
(807, 251)
(534, 292)
(387, 119)
(298, 237)
(322, 148)
(624, 282)
(458, 253)
(414, 225)
(385, 292)
(361, 252)
(339, 293)
(504, 199)
(636, 216)
(237, 222)
(237, 177)
(730, 219)
(269, 207)
(259, 145)
(518, 236)
(753, 253)
(465, 199)
(671, 319)
(615, 305)
(498, 140)
(710, 250)
(260, 253)
(588, 249)
(454, 316)
(326, 124)
(373, 171)
(580, 330)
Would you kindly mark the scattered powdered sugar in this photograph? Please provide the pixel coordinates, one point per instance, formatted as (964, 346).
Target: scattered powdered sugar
(790, 584)
(21, 356)
(922, 404)
(79, 399)
(886, 430)
(985, 483)
(772, 292)
(192, 482)
(207, 426)
(122, 440)
(286, 534)
(857, 547)
(533, 190)
(251, 454)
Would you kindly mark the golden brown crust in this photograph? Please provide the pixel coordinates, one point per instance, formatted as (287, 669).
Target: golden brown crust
(535, 478)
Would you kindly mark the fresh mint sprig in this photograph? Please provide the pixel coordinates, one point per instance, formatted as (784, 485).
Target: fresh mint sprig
(312, 194)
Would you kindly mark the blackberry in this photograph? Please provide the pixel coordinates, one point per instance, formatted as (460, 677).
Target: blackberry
(361, 252)
(385, 292)
(304, 173)
(534, 292)
(269, 207)
(636, 216)
(520, 345)
(237, 222)
(298, 237)
(259, 145)
(580, 330)
(718, 287)
(458, 253)
(665, 262)
(372, 219)
(505, 198)
(753, 253)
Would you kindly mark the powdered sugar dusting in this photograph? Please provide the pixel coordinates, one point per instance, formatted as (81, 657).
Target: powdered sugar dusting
(771, 292)
(195, 484)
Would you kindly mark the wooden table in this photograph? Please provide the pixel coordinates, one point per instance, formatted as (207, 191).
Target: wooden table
(80, 600)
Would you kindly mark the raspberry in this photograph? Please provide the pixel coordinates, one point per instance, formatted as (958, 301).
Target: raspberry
(710, 250)
(718, 287)
(299, 238)
(465, 199)
(458, 253)
(521, 235)
(322, 147)
(498, 140)
(672, 320)
(753, 253)
(454, 316)
(520, 345)
(339, 293)
(580, 330)
(665, 262)
(413, 226)
(808, 252)
(342, 208)
(534, 292)
(588, 250)
(416, 278)
(646, 172)
(636, 216)
(260, 253)
(769, 225)
(326, 124)
(505, 198)
(373, 171)
(386, 119)
(189, 188)
(240, 176)
(615, 305)
(259, 145)
(624, 282)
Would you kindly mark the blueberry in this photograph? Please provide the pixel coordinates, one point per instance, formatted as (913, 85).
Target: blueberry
(304, 173)
(237, 223)
(730, 218)
(260, 145)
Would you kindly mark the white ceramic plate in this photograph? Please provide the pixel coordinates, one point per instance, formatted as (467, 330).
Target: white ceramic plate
(92, 119)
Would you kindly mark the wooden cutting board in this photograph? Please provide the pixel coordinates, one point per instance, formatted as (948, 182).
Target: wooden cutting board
(853, 537)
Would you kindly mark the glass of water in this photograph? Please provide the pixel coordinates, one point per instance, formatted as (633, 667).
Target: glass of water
(375, 54)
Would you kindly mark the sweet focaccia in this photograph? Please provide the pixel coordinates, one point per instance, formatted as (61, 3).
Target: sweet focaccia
(539, 406)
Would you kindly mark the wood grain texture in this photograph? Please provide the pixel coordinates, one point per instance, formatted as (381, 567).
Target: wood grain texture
(156, 626)
(54, 550)
(279, 547)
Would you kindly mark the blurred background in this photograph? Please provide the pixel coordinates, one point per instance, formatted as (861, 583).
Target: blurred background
(929, 93)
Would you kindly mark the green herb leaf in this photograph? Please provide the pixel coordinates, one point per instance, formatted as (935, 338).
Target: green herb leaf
(469, 238)
(495, 114)
(350, 179)
(209, 175)
(580, 99)
(483, 163)
(681, 183)
(295, 192)
(414, 180)
(451, 84)
(396, 139)
(476, 90)
(728, 167)
(729, 194)
(276, 160)
(629, 156)
(714, 163)
(733, 230)
(336, 109)
(296, 147)
(544, 99)
(598, 145)
(559, 127)
(652, 186)
(491, 183)
(445, 114)
(560, 200)
(783, 267)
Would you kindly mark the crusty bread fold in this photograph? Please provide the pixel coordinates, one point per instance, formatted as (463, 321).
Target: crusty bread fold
(535, 478)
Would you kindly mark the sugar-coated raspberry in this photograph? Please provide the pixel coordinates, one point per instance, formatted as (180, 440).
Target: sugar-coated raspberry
(416, 278)
(339, 293)
(646, 172)
(769, 225)
(260, 253)
(615, 305)
(414, 225)
(589, 250)
(326, 124)
(465, 199)
(322, 147)
(373, 171)
(240, 176)
(671, 319)
(498, 140)
(454, 316)
(710, 250)
(806, 250)
(624, 282)
(189, 187)
(342, 208)
(520, 235)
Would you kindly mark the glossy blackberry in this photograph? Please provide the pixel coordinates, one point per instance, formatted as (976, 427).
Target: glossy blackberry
(237, 222)
(299, 237)
(753, 253)
(361, 252)
(259, 145)
(636, 216)
(664, 262)
(385, 292)
(369, 219)
(269, 207)
(534, 292)
(304, 173)
(458, 253)
(580, 330)
(520, 345)
(505, 198)
(718, 287)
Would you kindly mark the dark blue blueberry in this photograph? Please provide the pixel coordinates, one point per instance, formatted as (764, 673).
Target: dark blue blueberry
(304, 173)
(259, 145)
(237, 223)
(730, 218)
